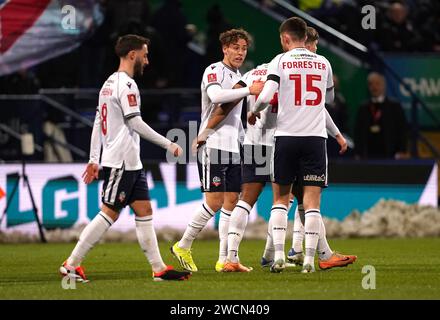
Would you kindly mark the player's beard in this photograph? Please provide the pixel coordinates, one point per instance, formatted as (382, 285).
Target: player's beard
(138, 69)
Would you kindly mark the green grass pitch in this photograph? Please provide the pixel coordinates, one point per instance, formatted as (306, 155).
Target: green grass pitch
(405, 269)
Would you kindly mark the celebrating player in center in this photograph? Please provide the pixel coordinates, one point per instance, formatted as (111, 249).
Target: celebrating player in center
(219, 160)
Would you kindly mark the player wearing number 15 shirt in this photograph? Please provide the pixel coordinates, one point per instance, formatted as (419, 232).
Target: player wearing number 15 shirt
(303, 80)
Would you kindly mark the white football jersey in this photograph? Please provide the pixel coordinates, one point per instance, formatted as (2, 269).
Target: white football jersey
(262, 133)
(119, 100)
(228, 132)
(303, 81)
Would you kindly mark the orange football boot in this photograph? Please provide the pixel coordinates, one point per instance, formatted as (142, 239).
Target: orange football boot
(235, 267)
(337, 260)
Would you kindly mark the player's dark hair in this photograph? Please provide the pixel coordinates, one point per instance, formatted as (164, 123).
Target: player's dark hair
(295, 27)
(129, 42)
(312, 35)
(232, 36)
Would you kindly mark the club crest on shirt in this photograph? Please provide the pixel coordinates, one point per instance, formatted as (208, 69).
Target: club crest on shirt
(212, 77)
(121, 196)
(132, 100)
(129, 85)
(216, 181)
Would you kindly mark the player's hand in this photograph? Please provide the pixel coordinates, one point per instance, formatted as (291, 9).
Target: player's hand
(256, 87)
(342, 143)
(252, 117)
(175, 149)
(91, 173)
(199, 141)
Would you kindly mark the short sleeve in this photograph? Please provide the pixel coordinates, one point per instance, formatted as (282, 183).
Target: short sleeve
(212, 76)
(130, 99)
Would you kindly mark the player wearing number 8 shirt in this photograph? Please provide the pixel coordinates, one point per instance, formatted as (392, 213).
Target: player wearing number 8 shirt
(302, 79)
(118, 127)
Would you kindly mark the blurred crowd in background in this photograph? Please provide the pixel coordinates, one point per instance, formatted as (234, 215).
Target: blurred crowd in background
(402, 26)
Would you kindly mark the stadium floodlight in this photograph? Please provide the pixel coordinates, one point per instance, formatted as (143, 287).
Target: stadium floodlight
(27, 149)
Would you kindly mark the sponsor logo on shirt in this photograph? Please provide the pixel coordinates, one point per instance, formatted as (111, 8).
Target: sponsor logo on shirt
(132, 100)
(302, 56)
(212, 77)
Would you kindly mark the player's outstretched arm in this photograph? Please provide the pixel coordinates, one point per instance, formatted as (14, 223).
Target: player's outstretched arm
(220, 112)
(330, 125)
(147, 133)
(92, 169)
(219, 95)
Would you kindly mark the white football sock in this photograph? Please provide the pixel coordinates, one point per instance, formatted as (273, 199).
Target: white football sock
(324, 250)
(312, 228)
(278, 215)
(198, 222)
(269, 250)
(89, 237)
(298, 230)
(223, 228)
(148, 242)
(237, 226)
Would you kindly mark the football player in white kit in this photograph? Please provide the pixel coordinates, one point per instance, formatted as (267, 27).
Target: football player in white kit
(118, 127)
(219, 160)
(327, 258)
(302, 79)
(257, 145)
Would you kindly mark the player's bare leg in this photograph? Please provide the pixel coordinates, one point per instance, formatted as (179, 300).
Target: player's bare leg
(278, 220)
(238, 223)
(182, 249)
(89, 237)
(312, 225)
